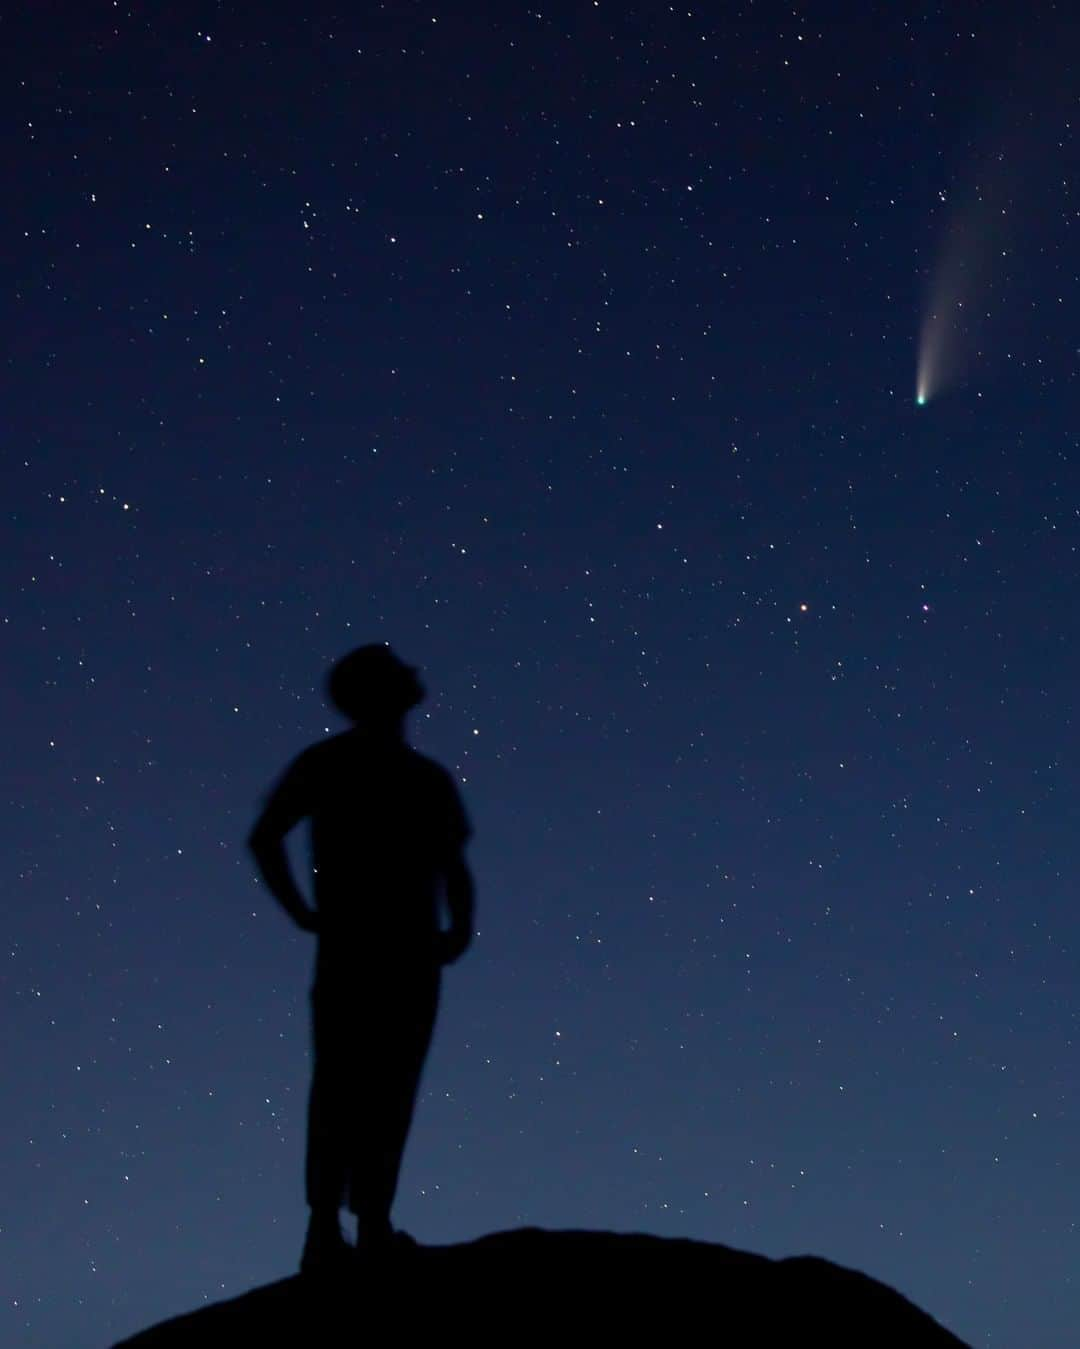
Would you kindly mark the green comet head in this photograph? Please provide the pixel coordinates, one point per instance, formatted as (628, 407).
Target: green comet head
(920, 400)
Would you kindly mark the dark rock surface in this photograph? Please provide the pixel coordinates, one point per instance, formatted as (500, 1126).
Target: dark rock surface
(524, 1284)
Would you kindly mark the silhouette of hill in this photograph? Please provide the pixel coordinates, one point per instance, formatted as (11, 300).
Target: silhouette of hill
(531, 1283)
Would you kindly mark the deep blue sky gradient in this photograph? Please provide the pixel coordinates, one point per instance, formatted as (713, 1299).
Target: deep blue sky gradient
(573, 353)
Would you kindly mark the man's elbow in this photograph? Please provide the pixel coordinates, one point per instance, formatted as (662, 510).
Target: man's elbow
(260, 839)
(458, 875)
(460, 893)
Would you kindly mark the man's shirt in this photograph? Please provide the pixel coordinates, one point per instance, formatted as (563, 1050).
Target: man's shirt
(384, 822)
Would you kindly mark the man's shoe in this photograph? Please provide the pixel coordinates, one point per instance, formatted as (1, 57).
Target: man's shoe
(374, 1239)
(325, 1251)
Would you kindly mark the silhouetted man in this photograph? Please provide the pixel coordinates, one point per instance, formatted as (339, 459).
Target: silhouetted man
(387, 836)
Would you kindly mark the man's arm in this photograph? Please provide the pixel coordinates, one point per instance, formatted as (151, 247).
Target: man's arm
(283, 811)
(460, 900)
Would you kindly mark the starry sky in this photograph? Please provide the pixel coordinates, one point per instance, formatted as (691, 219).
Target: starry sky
(573, 351)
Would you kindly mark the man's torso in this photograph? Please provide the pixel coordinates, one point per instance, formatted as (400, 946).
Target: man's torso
(383, 822)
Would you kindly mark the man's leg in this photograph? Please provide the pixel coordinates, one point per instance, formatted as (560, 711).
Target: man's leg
(388, 1096)
(326, 1162)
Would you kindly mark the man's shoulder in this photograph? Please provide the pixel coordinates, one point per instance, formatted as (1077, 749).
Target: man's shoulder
(440, 777)
(324, 759)
(424, 763)
(321, 751)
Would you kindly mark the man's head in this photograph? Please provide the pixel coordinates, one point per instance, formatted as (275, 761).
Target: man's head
(373, 686)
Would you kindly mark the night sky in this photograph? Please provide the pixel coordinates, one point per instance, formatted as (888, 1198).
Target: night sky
(575, 353)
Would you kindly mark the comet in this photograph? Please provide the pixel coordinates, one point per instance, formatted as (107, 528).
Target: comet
(969, 272)
(955, 304)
